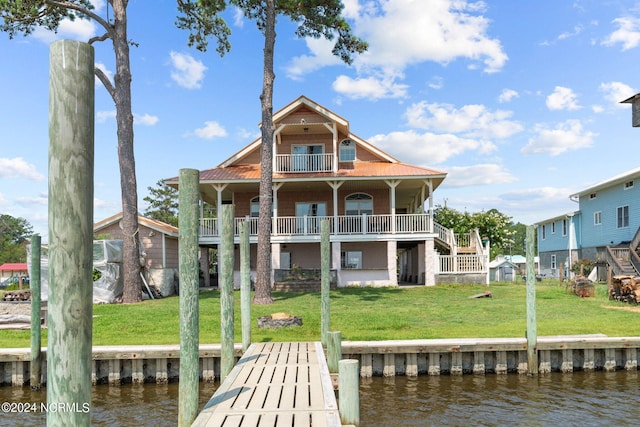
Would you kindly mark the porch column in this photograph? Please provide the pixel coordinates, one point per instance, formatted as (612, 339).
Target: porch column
(275, 260)
(430, 185)
(392, 189)
(335, 185)
(276, 135)
(421, 264)
(204, 265)
(336, 248)
(392, 262)
(429, 263)
(219, 188)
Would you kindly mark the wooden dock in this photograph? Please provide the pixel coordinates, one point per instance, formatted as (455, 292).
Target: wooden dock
(275, 384)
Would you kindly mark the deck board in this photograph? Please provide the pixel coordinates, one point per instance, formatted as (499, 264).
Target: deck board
(272, 385)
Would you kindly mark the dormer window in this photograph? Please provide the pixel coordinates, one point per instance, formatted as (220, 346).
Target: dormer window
(347, 151)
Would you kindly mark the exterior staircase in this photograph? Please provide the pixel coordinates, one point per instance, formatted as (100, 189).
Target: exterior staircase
(623, 259)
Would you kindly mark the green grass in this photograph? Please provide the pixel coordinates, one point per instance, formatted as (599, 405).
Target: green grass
(443, 311)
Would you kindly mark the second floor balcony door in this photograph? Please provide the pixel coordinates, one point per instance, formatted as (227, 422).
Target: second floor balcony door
(308, 217)
(307, 158)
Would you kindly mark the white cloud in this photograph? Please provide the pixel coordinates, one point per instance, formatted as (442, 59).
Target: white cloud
(436, 82)
(470, 120)
(238, 17)
(566, 136)
(145, 119)
(19, 168)
(402, 33)
(369, 88)
(627, 34)
(427, 148)
(507, 95)
(32, 201)
(562, 98)
(103, 116)
(481, 174)
(188, 72)
(615, 92)
(210, 130)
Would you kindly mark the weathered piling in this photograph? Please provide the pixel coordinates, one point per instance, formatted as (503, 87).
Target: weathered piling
(325, 257)
(532, 334)
(226, 292)
(188, 220)
(71, 162)
(36, 333)
(334, 350)
(349, 386)
(245, 285)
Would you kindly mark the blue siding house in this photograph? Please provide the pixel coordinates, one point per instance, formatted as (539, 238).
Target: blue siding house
(604, 229)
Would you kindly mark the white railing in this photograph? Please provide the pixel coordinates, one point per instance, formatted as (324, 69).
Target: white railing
(296, 163)
(342, 224)
(462, 264)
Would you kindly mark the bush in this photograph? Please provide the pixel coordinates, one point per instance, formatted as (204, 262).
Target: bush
(582, 266)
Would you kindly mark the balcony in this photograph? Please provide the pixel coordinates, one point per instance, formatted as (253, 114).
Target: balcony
(301, 163)
(342, 224)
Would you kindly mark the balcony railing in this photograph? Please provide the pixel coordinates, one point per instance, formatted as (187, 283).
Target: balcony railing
(297, 163)
(342, 224)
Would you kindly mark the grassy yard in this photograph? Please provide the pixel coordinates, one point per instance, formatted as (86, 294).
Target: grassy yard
(444, 311)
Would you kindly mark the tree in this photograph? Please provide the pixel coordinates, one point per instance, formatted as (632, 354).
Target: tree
(492, 224)
(23, 17)
(13, 235)
(163, 203)
(315, 19)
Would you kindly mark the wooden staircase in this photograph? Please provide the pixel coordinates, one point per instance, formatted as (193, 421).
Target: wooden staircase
(624, 259)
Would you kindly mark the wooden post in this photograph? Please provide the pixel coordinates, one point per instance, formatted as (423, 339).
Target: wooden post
(325, 257)
(532, 334)
(226, 292)
(245, 285)
(334, 351)
(188, 221)
(561, 273)
(36, 336)
(71, 160)
(349, 392)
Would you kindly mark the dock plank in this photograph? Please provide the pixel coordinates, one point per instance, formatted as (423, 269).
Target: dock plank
(275, 384)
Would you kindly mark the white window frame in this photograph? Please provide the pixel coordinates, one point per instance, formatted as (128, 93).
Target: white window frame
(554, 264)
(553, 227)
(564, 227)
(544, 231)
(346, 256)
(370, 199)
(350, 147)
(628, 185)
(622, 216)
(597, 218)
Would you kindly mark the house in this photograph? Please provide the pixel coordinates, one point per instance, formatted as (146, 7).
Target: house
(11, 269)
(159, 242)
(604, 229)
(379, 209)
(503, 270)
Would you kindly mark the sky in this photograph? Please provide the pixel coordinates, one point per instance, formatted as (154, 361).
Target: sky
(517, 101)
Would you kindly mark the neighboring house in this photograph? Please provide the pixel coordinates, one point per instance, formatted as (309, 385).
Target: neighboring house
(604, 229)
(11, 269)
(503, 270)
(160, 249)
(380, 210)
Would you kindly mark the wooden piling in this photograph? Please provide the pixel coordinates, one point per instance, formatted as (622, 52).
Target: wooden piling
(188, 221)
(325, 257)
(245, 286)
(226, 292)
(36, 333)
(71, 162)
(349, 386)
(532, 334)
(334, 350)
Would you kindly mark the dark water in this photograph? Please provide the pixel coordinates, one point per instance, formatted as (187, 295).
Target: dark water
(579, 399)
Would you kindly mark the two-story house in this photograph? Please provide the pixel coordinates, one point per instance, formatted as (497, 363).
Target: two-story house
(604, 229)
(379, 209)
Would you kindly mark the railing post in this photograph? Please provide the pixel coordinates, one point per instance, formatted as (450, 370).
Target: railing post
(364, 223)
(334, 351)
(225, 285)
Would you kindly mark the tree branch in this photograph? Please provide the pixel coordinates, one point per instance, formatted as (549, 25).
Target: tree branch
(82, 10)
(102, 38)
(105, 81)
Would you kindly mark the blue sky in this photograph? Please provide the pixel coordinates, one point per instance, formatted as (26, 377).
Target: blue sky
(518, 101)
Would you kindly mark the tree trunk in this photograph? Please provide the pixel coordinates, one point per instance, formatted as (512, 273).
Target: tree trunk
(128, 183)
(263, 267)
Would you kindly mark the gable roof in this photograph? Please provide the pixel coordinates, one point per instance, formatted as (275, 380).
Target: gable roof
(159, 226)
(14, 266)
(618, 179)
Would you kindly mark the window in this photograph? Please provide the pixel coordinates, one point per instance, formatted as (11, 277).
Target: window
(623, 216)
(307, 158)
(347, 151)
(358, 204)
(544, 231)
(308, 216)
(255, 207)
(553, 228)
(351, 259)
(564, 227)
(597, 218)
(553, 262)
(592, 195)
(628, 184)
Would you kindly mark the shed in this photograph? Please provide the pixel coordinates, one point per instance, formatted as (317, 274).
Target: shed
(159, 242)
(503, 270)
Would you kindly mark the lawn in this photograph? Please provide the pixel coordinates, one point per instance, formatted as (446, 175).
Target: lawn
(443, 311)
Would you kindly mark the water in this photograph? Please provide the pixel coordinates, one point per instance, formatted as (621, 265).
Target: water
(578, 399)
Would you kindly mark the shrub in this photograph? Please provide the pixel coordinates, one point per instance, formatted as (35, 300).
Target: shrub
(582, 266)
